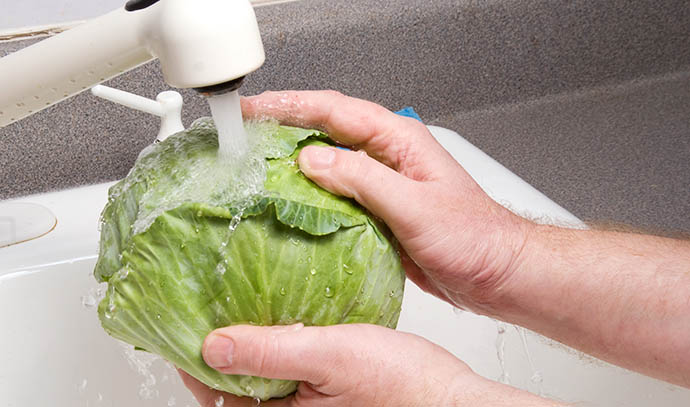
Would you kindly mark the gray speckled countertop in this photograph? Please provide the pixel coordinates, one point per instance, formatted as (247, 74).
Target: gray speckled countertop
(587, 100)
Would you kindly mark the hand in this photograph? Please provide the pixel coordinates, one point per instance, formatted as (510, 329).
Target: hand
(348, 365)
(458, 243)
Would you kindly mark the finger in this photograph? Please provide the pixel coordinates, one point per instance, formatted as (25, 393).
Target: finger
(386, 193)
(202, 393)
(392, 139)
(320, 356)
(208, 397)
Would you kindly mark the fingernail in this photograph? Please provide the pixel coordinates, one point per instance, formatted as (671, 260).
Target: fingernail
(218, 353)
(317, 158)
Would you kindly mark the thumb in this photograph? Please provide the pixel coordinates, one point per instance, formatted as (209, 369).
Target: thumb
(291, 352)
(382, 190)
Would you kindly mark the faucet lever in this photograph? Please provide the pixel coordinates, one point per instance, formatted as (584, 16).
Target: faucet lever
(167, 106)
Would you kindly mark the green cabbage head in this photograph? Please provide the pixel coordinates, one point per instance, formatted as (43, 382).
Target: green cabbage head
(190, 243)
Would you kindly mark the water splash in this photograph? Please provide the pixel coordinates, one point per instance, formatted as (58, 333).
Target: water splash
(142, 364)
(500, 351)
(82, 386)
(88, 301)
(92, 298)
(536, 376)
(220, 401)
(216, 182)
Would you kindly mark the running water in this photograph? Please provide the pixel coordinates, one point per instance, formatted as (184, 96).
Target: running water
(536, 377)
(500, 351)
(227, 116)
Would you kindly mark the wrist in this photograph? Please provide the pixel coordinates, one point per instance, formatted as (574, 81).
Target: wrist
(482, 392)
(539, 278)
(493, 289)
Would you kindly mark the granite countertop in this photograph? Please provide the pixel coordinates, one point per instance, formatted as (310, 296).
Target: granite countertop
(588, 101)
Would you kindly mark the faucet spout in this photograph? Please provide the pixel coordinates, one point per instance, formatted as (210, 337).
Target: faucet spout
(200, 44)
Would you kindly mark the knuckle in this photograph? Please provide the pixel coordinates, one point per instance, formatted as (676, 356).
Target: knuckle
(264, 356)
(333, 93)
(356, 171)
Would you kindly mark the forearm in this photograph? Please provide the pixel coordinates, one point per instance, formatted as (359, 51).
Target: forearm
(487, 393)
(621, 297)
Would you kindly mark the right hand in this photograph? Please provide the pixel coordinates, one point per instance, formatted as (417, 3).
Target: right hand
(458, 243)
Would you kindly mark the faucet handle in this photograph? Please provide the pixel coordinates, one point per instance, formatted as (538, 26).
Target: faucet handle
(134, 5)
(167, 106)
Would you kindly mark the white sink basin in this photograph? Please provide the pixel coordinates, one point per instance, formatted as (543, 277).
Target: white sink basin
(56, 354)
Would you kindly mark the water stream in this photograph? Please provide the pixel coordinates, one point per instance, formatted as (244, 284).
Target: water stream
(226, 110)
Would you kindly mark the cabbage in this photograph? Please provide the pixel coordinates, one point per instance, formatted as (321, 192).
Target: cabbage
(190, 243)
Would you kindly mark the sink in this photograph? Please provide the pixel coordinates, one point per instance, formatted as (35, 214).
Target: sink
(61, 357)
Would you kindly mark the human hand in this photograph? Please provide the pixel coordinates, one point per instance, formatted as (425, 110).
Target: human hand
(458, 243)
(348, 365)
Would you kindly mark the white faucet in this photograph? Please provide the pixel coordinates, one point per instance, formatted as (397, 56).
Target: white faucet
(209, 45)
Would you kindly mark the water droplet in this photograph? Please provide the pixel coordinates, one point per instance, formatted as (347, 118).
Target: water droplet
(309, 259)
(88, 301)
(312, 272)
(227, 299)
(220, 401)
(182, 246)
(500, 352)
(82, 386)
(458, 311)
(111, 308)
(220, 269)
(391, 294)
(99, 397)
(234, 222)
(329, 292)
(123, 273)
(283, 291)
(196, 230)
(171, 401)
(257, 402)
(537, 377)
(158, 316)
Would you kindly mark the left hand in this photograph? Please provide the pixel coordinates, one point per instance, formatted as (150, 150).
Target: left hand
(348, 365)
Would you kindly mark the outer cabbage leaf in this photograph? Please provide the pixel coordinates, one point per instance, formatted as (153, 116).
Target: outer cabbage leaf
(297, 254)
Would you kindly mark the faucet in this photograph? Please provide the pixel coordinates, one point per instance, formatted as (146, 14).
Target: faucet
(208, 45)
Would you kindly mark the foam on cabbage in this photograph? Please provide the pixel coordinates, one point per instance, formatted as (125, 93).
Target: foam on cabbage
(190, 243)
